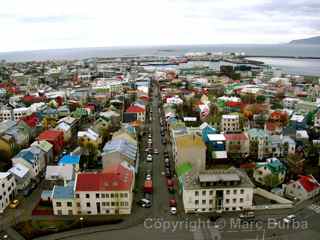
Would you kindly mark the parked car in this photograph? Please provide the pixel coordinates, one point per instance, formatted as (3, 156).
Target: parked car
(148, 177)
(146, 150)
(145, 203)
(163, 141)
(149, 158)
(155, 151)
(14, 204)
(214, 218)
(149, 140)
(167, 162)
(173, 210)
(167, 172)
(290, 218)
(27, 192)
(172, 202)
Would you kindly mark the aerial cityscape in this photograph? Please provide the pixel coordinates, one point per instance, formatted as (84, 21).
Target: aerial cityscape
(160, 138)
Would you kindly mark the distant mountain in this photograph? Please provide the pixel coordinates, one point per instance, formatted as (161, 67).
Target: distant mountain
(312, 40)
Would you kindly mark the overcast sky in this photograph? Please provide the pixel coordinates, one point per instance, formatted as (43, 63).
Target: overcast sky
(43, 24)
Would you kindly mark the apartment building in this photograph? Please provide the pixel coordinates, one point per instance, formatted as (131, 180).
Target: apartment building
(217, 190)
(7, 189)
(230, 123)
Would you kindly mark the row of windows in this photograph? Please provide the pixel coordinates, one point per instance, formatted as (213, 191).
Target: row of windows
(106, 195)
(204, 192)
(88, 204)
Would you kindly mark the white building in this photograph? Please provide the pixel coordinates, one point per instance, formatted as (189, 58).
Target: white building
(304, 188)
(21, 175)
(217, 190)
(289, 103)
(14, 114)
(7, 189)
(230, 123)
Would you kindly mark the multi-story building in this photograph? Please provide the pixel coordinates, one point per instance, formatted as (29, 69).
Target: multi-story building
(217, 190)
(260, 143)
(14, 114)
(230, 123)
(290, 103)
(237, 144)
(304, 188)
(7, 189)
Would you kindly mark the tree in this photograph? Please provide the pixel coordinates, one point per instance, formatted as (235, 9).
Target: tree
(271, 180)
(260, 99)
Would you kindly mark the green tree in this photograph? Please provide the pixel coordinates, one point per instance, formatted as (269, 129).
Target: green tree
(271, 180)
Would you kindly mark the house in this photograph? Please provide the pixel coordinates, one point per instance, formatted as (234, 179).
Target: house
(270, 173)
(217, 190)
(298, 122)
(73, 160)
(22, 176)
(124, 134)
(317, 119)
(89, 137)
(101, 126)
(7, 189)
(290, 103)
(63, 200)
(63, 173)
(237, 144)
(105, 193)
(306, 106)
(55, 138)
(33, 122)
(139, 111)
(32, 158)
(66, 129)
(230, 123)
(217, 146)
(189, 148)
(206, 129)
(260, 143)
(46, 148)
(119, 150)
(304, 188)
(13, 136)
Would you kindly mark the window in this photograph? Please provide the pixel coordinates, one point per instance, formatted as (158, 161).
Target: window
(234, 200)
(107, 195)
(228, 192)
(78, 204)
(108, 204)
(88, 204)
(227, 200)
(89, 212)
(204, 201)
(210, 201)
(116, 195)
(121, 195)
(87, 196)
(70, 212)
(97, 195)
(69, 204)
(125, 195)
(203, 193)
(196, 193)
(103, 204)
(210, 192)
(58, 204)
(241, 191)
(235, 191)
(59, 212)
(112, 204)
(103, 195)
(112, 195)
(196, 202)
(77, 195)
(241, 200)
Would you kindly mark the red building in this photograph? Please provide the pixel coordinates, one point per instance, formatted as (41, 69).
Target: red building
(54, 137)
(31, 120)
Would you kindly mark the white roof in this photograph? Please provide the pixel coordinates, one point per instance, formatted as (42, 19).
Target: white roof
(63, 126)
(4, 174)
(230, 116)
(302, 134)
(297, 118)
(64, 172)
(19, 170)
(216, 137)
(220, 154)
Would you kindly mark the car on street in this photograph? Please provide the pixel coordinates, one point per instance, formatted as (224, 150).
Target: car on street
(148, 177)
(163, 141)
(14, 204)
(167, 172)
(214, 217)
(149, 136)
(290, 218)
(162, 133)
(145, 203)
(173, 210)
(166, 154)
(155, 151)
(149, 158)
(149, 140)
(167, 162)
(146, 150)
(172, 202)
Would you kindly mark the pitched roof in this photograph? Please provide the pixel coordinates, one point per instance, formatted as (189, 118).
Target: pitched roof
(43, 145)
(236, 137)
(135, 109)
(50, 135)
(121, 145)
(114, 178)
(309, 183)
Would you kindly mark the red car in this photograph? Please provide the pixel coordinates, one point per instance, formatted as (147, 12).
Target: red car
(172, 202)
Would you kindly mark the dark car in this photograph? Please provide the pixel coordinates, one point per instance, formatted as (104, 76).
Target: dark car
(27, 192)
(214, 218)
(168, 172)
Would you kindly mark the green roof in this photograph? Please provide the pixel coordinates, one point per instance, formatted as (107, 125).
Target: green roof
(183, 168)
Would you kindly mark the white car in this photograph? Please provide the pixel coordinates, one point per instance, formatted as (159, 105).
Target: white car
(149, 158)
(155, 151)
(149, 140)
(173, 210)
(289, 219)
(148, 177)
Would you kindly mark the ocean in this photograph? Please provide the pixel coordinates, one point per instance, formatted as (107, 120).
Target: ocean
(292, 66)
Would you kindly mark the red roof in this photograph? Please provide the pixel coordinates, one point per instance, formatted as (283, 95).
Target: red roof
(236, 137)
(233, 104)
(50, 135)
(31, 120)
(135, 109)
(114, 178)
(308, 183)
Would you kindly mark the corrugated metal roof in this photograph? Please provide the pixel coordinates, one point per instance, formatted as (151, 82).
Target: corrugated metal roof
(121, 145)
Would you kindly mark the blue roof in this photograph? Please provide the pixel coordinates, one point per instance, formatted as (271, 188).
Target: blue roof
(69, 159)
(207, 130)
(27, 155)
(60, 192)
(121, 145)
